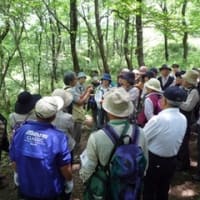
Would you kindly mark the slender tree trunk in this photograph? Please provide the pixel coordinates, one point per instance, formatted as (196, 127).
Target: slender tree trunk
(39, 61)
(107, 34)
(185, 36)
(114, 36)
(58, 42)
(73, 33)
(100, 38)
(165, 11)
(89, 39)
(139, 33)
(53, 54)
(17, 44)
(3, 34)
(22, 65)
(4, 31)
(166, 47)
(6, 64)
(126, 44)
(132, 43)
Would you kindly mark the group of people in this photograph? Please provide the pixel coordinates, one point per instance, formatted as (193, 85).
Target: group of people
(47, 130)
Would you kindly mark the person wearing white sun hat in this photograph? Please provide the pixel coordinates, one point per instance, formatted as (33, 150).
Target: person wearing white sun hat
(39, 146)
(118, 106)
(151, 105)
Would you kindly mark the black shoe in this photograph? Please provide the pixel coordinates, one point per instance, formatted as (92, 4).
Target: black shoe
(181, 167)
(3, 184)
(2, 177)
(196, 177)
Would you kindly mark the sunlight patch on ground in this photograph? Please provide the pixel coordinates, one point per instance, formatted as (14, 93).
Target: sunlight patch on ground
(184, 190)
(193, 163)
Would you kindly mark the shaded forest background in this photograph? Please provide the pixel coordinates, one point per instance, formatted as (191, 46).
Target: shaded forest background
(41, 39)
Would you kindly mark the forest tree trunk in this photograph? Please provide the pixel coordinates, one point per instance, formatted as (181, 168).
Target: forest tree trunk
(165, 11)
(185, 36)
(73, 33)
(100, 38)
(139, 32)
(126, 45)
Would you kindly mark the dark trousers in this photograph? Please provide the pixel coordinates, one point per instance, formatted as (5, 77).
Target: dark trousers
(158, 177)
(77, 132)
(198, 149)
(94, 116)
(184, 153)
(62, 196)
(101, 118)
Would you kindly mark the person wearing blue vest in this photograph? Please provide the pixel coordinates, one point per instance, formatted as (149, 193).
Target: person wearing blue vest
(40, 156)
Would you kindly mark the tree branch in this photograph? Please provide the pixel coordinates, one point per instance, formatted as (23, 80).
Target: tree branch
(55, 17)
(83, 16)
(5, 31)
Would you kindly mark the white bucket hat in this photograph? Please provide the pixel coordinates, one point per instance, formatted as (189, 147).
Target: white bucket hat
(153, 84)
(117, 102)
(48, 106)
(65, 95)
(191, 76)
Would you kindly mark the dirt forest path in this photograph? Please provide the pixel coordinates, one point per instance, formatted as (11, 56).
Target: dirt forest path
(182, 188)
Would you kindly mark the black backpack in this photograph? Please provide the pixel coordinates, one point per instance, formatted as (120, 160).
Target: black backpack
(4, 143)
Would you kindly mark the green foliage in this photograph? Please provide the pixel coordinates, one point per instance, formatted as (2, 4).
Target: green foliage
(155, 58)
(45, 20)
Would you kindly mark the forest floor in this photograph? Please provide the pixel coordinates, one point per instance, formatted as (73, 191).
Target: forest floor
(182, 187)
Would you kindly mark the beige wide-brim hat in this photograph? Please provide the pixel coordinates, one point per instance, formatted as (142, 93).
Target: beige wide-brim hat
(118, 103)
(48, 106)
(153, 84)
(65, 95)
(191, 76)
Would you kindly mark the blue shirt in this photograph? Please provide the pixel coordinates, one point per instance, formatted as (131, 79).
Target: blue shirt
(39, 150)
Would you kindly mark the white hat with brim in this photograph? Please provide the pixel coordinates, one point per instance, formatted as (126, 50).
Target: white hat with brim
(153, 84)
(191, 76)
(65, 95)
(48, 106)
(117, 102)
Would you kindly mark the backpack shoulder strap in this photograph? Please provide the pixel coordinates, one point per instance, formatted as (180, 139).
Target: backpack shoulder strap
(135, 134)
(110, 132)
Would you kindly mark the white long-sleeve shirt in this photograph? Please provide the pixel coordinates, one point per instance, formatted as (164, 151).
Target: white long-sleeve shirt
(100, 91)
(165, 131)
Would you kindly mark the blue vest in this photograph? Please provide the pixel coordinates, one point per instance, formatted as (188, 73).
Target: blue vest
(39, 150)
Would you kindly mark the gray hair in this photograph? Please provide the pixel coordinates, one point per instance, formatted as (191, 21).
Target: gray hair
(174, 103)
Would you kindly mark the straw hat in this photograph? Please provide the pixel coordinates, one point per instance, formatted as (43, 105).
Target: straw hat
(191, 76)
(153, 84)
(66, 96)
(117, 102)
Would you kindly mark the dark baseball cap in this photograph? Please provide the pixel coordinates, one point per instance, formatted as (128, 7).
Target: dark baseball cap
(175, 93)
